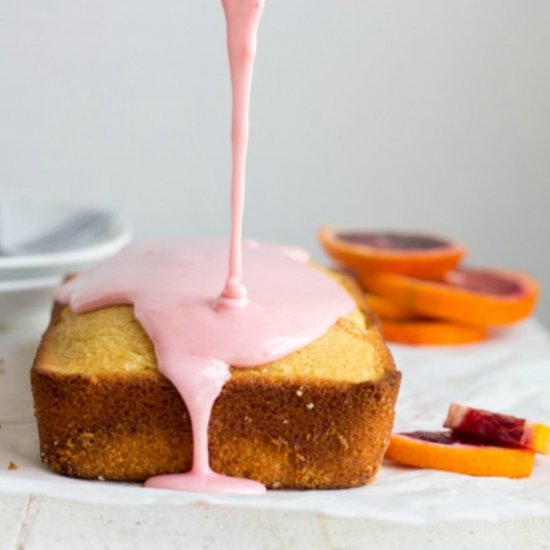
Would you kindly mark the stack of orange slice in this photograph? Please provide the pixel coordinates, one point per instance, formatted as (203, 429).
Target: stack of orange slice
(414, 283)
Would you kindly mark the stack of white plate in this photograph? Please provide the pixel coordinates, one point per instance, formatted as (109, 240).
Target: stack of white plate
(41, 240)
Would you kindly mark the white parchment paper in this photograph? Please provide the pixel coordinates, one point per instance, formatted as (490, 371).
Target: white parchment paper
(510, 373)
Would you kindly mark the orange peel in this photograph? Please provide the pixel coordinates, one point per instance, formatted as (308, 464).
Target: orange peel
(431, 332)
(442, 453)
(387, 309)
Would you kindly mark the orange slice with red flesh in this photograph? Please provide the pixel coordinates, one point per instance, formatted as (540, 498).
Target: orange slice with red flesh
(471, 296)
(407, 253)
(431, 332)
(441, 451)
(498, 429)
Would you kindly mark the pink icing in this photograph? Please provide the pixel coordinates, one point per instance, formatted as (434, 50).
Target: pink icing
(173, 287)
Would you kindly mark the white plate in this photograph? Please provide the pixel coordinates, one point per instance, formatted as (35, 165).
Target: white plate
(26, 302)
(23, 218)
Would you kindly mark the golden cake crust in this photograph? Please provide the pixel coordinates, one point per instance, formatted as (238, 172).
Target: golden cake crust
(279, 424)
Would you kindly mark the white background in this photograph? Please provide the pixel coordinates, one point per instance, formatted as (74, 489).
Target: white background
(428, 114)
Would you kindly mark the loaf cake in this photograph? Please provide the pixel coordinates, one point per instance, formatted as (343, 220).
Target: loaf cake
(319, 417)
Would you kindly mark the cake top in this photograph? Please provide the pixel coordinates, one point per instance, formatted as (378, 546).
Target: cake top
(173, 286)
(110, 342)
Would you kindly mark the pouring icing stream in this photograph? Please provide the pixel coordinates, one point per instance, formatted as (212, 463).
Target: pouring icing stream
(242, 19)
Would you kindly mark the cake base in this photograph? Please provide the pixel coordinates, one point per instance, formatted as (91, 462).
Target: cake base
(283, 434)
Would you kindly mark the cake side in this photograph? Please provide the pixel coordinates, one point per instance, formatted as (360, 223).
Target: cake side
(284, 434)
(317, 418)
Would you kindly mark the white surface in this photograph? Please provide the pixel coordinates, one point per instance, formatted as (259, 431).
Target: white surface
(507, 374)
(426, 114)
(36, 522)
(25, 218)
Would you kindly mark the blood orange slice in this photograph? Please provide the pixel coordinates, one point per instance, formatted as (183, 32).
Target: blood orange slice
(441, 451)
(472, 296)
(431, 332)
(498, 429)
(406, 253)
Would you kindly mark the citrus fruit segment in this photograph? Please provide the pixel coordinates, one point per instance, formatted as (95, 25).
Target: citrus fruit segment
(431, 332)
(440, 451)
(498, 429)
(407, 253)
(387, 309)
(472, 296)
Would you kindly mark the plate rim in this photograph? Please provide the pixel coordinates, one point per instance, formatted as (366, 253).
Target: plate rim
(121, 234)
(12, 286)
